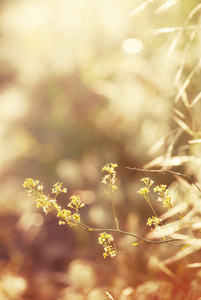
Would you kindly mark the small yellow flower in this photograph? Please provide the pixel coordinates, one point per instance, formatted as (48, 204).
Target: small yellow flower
(107, 241)
(57, 188)
(110, 178)
(163, 196)
(62, 223)
(29, 182)
(109, 168)
(154, 221)
(143, 192)
(105, 179)
(147, 181)
(76, 218)
(109, 251)
(46, 203)
(40, 188)
(66, 215)
(160, 189)
(76, 202)
(167, 203)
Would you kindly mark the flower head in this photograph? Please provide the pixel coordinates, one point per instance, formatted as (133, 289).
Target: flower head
(57, 188)
(147, 181)
(65, 214)
(110, 178)
(30, 184)
(143, 192)
(76, 202)
(107, 241)
(154, 221)
(163, 195)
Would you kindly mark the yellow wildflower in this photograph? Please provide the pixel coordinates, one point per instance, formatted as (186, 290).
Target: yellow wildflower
(107, 241)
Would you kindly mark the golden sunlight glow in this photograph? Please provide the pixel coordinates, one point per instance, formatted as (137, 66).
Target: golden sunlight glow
(132, 46)
(37, 219)
(13, 105)
(17, 283)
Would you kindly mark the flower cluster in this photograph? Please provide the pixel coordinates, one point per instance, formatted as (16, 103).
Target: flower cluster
(30, 184)
(68, 217)
(107, 241)
(144, 192)
(57, 188)
(147, 181)
(48, 204)
(76, 202)
(155, 221)
(163, 196)
(110, 179)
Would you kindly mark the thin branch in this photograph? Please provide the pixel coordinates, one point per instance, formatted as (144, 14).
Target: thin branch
(131, 249)
(169, 172)
(126, 233)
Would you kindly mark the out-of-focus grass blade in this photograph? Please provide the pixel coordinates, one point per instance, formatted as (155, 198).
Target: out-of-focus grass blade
(173, 161)
(196, 99)
(170, 135)
(186, 51)
(194, 265)
(109, 296)
(168, 229)
(156, 263)
(195, 141)
(174, 211)
(165, 6)
(174, 42)
(194, 11)
(186, 83)
(184, 27)
(155, 162)
(163, 30)
(183, 253)
(179, 113)
(170, 149)
(184, 126)
(140, 8)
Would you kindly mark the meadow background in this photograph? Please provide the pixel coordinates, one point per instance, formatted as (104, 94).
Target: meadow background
(84, 83)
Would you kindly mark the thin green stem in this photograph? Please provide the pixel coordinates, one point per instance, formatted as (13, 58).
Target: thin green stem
(131, 249)
(148, 200)
(113, 208)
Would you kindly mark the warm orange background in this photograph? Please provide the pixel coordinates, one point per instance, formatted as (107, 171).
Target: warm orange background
(83, 83)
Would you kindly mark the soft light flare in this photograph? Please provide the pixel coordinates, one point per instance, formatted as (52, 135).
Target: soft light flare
(132, 46)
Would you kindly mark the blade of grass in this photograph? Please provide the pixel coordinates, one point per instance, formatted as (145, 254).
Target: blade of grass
(165, 6)
(186, 51)
(196, 99)
(140, 8)
(184, 126)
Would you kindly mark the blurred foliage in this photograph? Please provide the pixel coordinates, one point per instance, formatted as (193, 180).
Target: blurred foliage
(83, 83)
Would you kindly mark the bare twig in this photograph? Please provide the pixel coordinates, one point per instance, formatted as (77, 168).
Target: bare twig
(126, 233)
(169, 172)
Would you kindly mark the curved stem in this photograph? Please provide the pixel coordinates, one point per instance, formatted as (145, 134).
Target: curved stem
(167, 171)
(126, 233)
(129, 250)
(152, 207)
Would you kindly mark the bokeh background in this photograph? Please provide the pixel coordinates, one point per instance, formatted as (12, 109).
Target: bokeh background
(84, 83)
